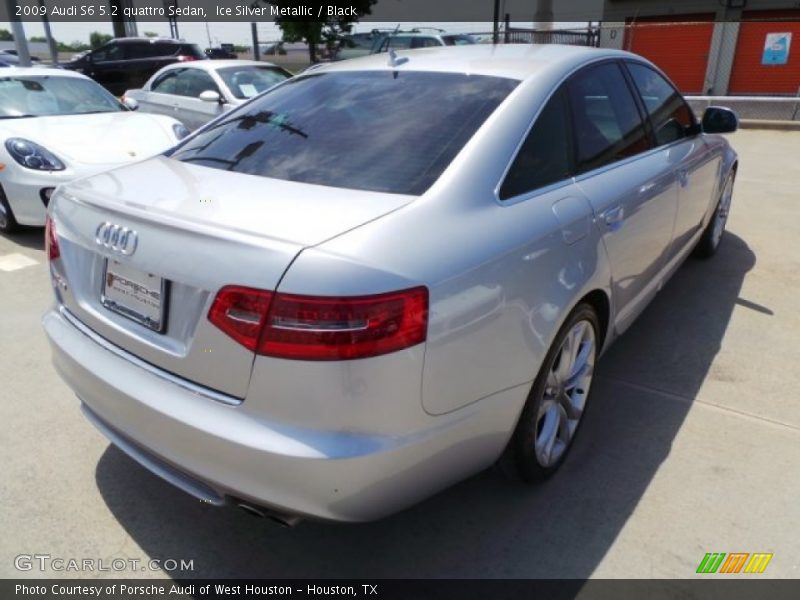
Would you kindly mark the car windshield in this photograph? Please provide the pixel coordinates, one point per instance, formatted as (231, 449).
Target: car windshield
(45, 95)
(246, 82)
(385, 131)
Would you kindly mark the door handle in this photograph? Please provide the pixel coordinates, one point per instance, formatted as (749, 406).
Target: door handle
(614, 217)
(683, 177)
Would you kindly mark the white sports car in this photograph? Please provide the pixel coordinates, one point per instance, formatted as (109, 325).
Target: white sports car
(56, 126)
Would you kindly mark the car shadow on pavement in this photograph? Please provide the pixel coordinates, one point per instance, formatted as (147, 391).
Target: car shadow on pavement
(29, 237)
(486, 526)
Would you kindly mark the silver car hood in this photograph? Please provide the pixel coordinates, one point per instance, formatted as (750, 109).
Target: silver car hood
(183, 194)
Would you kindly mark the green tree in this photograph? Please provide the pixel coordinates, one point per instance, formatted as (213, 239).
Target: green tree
(37, 38)
(97, 39)
(5, 36)
(150, 34)
(314, 33)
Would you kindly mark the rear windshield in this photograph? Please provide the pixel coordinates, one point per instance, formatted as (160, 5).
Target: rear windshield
(384, 131)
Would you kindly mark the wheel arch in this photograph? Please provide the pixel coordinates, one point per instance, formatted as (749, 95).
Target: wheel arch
(599, 300)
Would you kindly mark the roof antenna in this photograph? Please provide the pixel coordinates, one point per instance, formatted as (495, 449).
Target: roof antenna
(396, 61)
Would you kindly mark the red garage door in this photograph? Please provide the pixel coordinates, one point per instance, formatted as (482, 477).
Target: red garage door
(677, 44)
(749, 76)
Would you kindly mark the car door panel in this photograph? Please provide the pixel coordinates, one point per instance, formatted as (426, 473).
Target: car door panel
(674, 129)
(161, 104)
(696, 175)
(635, 206)
(631, 188)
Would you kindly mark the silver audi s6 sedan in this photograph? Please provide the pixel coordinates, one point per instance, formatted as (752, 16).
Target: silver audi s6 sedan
(383, 276)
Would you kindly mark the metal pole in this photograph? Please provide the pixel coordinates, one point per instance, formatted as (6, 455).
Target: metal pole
(254, 32)
(506, 36)
(18, 31)
(51, 43)
(496, 22)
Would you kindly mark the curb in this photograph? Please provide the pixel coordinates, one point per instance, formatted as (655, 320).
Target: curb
(769, 124)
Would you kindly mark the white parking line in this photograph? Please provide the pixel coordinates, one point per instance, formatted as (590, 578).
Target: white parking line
(13, 262)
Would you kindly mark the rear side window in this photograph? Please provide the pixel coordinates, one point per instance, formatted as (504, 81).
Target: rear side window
(142, 50)
(108, 53)
(424, 42)
(384, 131)
(190, 50)
(398, 43)
(607, 123)
(545, 156)
(671, 117)
(166, 82)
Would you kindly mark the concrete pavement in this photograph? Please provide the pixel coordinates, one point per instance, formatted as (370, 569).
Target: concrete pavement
(691, 444)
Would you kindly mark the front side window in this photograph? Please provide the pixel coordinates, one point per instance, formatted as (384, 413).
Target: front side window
(545, 156)
(46, 95)
(607, 123)
(384, 131)
(193, 82)
(671, 117)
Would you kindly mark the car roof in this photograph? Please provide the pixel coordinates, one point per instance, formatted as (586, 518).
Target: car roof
(41, 72)
(515, 61)
(160, 40)
(214, 65)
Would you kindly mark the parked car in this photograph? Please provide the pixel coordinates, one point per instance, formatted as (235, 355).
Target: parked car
(200, 91)
(354, 45)
(418, 38)
(10, 56)
(56, 126)
(220, 53)
(272, 49)
(125, 63)
(377, 279)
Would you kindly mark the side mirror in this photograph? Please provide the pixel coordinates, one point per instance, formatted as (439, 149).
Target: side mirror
(211, 96)
(717, 119)
(130, 103)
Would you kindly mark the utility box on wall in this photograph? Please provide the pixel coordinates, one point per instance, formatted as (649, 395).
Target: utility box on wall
(765, 61)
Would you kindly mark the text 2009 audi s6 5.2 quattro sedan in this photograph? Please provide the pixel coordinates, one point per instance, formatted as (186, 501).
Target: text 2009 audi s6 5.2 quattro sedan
(383, 276)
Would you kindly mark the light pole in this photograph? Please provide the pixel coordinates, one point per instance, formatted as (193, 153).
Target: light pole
(18, 31)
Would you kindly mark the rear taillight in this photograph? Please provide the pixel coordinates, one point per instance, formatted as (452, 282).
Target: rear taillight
(240, 312)
(51, 239)
(322, 328)
(186, 58)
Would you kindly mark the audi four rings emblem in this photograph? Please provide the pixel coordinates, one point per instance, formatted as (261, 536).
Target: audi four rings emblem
(116, 238)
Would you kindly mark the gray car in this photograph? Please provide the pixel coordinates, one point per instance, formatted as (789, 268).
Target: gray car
(199, 91)
(377, 279)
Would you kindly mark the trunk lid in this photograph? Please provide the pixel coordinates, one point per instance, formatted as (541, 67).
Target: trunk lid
(197, 229)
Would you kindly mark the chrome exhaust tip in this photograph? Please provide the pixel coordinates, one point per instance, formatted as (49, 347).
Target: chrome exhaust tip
(281, 519)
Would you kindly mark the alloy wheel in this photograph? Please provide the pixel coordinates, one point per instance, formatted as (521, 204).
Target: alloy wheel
(565, 394)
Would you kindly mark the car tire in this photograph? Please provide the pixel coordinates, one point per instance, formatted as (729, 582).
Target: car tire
(557, 402)
(8, 224)
(712, 236)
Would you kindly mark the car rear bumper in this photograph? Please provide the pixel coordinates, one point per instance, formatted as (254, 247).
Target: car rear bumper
(219, 452)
